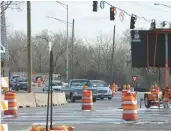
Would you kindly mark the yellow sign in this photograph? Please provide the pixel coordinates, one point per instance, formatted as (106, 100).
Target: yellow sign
(4, 82)
(4, 105)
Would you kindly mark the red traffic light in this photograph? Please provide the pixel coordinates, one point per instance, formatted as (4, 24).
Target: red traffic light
(112, 9)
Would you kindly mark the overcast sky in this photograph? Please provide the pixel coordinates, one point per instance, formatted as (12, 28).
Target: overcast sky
(88, 24)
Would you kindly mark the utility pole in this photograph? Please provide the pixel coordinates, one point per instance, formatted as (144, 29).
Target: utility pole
(29, 47)
(112, 58)
(67, 50)
(5, 55)
(72, 76)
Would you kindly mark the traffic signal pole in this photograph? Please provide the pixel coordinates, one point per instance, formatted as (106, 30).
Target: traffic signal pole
(166, 62)
(112, 58)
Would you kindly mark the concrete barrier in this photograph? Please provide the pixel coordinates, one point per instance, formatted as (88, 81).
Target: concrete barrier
(41, 99)
(26, 100)
(37, 89)
(59, 98)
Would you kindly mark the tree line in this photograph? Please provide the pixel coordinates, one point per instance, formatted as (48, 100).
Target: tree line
(92, 59)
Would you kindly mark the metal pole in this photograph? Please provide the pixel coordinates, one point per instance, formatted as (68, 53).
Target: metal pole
(72, 49)
(29, 47)
(159, 77)
(51, 72)
(113, 49)
(166, 62)
(67, 50)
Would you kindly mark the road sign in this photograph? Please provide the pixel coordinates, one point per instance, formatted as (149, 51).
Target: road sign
(66, 69)
(134, 78)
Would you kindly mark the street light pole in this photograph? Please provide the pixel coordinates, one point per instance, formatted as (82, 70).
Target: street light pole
(72, 73)
(67, 50)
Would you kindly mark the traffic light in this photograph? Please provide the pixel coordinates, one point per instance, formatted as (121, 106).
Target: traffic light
(132, 22)
(153, 24)
(95, 6)
(164, 24)
(112, 13)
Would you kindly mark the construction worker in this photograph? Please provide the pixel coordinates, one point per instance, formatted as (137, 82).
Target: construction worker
(128, 87)
(124, 87)
(113, 89)
(165, 96)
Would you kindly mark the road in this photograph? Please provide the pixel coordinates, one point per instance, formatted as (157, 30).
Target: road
(106, 116)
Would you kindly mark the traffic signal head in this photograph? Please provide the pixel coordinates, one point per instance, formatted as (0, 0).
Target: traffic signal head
(163, 23)
(95, 6)
(153, 24)
(132, 22)
(112, 13)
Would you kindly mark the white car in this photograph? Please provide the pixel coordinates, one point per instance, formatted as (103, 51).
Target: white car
(102, 89)
(56, 85)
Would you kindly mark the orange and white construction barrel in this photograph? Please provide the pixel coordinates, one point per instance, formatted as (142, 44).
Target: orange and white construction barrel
(12, 103)
(129, 105)
(87, 100)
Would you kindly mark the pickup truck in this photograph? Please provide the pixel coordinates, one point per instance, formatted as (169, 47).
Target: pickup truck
(75, 87)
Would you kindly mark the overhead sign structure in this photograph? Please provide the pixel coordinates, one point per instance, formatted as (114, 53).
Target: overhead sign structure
(134, 78)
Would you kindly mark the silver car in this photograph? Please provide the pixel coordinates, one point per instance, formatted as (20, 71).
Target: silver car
(56, 85)
(103, 91)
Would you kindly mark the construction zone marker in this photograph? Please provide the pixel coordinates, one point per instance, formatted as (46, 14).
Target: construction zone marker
(4, 105)
(4, 82)
(4, 127)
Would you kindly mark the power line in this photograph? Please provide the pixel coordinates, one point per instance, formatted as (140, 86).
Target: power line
(139, 17)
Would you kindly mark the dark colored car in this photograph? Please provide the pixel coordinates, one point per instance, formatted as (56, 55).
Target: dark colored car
(20, 83)
(75, 87)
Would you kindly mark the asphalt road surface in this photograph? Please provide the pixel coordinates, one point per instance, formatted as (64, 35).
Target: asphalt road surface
(106, 116)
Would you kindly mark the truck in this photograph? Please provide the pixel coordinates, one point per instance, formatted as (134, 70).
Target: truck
(75, 88)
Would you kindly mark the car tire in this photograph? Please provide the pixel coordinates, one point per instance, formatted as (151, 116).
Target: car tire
(72, 98)
(109, 98)
(147, 102)
(43, 90)
(94, 99)
(102, 98)
(66, 97)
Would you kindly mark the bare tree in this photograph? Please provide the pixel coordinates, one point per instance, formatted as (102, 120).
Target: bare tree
(10, 5)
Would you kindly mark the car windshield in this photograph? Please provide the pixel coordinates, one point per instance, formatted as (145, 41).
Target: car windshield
(56, 84)
(13, 77)
(21, 79)
(81, 83)
(99, 84)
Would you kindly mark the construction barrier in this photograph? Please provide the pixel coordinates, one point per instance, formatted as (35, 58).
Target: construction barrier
(87, 100)
(5, 84)
(123, 93)
(26, 100)
(12, 103)
(129, 105)
(4, 107)
(4, 127)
